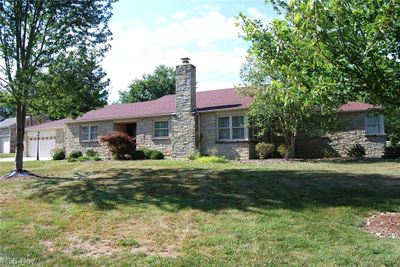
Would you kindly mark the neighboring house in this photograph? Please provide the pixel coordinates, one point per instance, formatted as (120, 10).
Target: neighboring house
(210, 121)
(8, 133)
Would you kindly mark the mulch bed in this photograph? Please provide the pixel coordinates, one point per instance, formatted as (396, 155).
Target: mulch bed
(385, 224)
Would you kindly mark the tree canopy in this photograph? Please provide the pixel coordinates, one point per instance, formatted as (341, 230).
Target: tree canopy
(291, 84)
(151, 86)
(361, 39)
(35, 37)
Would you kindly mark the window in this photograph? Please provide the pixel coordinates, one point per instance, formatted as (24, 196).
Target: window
(232, 128)
(161, 129)
(374, 124)
(224, 132)
(89, 133)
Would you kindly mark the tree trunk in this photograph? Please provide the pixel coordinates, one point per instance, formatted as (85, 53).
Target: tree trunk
(21, 117)
(292, 147)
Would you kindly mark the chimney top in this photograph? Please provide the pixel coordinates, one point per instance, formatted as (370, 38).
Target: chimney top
(185, 60)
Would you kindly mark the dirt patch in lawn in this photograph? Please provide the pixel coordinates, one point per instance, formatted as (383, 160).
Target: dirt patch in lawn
(384, 224)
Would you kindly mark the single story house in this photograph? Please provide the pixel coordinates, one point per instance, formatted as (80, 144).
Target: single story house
(213, 122)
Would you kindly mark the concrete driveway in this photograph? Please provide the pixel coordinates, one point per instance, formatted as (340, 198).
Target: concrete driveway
(25, 159)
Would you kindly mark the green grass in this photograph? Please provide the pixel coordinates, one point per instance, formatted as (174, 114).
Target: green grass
(7, 155)
(169, 213)
(211, 159)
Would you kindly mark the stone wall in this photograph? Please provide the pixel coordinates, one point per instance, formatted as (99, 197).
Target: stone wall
(73, 142)
(145, 137)
(210, 145)
(340, 142)
(183, 123)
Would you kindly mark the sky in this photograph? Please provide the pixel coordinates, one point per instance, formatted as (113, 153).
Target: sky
(148, 33)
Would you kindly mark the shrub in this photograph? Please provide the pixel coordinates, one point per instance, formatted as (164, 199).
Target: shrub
(194, 155)
(83, 158)
(156, 155)
(138, 154)
(96, 158)
(356, 151)
(265, 150)
(120, 145)
(283, 149)
(211, 159)
(91, 153)
(72, 160)
(58, 154)
(391, 152)
(75, 154)
(147, 152)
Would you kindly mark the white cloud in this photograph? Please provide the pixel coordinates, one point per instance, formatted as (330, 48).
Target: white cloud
(210, 39)
(257, 14)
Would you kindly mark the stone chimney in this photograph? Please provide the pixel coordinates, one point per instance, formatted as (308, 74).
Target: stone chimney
(184, 122)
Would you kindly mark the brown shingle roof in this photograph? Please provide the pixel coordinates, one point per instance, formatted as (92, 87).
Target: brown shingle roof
(205, 100)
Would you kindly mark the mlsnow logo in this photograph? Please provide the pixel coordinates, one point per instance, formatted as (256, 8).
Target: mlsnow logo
(17, 261)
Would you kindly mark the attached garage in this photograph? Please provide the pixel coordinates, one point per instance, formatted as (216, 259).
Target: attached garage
(47, 143)
(49, 135)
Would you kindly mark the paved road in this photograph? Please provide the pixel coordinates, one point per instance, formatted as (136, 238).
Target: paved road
(25, 159)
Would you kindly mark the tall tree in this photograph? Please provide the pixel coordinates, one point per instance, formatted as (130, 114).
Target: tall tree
(360, 38)
(79, 73)
(152, 86)
(36, 33)
(290, 82)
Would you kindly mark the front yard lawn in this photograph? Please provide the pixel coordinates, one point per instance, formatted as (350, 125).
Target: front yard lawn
(7, 155)
(170, 213)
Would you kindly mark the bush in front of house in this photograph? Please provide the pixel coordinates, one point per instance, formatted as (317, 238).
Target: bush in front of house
(155, 154)
(96, 158)
(391, 152)
(91, 153)
(283, 150)
(120, 145)
(58, 154)
(72, 159)
(75, 154)
(356, 151)
(83, 158)
(211, 159)
(138, 154)
(265, 150)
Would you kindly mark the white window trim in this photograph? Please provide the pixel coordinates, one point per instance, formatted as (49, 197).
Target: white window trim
(154, 129)
(246, 128)
(381, 125)
(89, 133)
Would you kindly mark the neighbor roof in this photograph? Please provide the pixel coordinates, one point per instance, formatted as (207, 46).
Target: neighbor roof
(8, 122)
(356, 106)
(50, 125)
(206, 100)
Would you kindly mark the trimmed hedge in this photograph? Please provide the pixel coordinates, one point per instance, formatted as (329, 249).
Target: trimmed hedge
(58, 154)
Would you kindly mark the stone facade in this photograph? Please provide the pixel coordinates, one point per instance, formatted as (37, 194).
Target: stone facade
(184, 122)
(145, 136)
(340, 142)
(73, 141)
(210, 145)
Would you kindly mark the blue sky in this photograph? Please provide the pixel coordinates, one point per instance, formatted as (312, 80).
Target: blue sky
(148, 33)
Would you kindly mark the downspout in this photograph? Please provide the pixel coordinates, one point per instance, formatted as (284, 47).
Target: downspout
(198, 131)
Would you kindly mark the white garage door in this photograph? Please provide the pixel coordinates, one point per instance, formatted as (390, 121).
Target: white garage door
(47, 142)
(5, 145)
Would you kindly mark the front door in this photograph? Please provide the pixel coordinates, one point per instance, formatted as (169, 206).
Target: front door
(131, 129)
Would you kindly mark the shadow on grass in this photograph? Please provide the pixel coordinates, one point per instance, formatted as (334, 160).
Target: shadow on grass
(212, 190)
